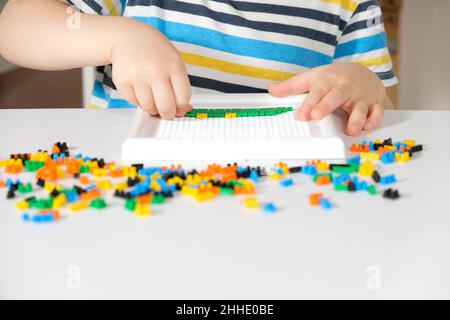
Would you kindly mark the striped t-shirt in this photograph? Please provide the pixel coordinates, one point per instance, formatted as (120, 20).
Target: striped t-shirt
(243, 46)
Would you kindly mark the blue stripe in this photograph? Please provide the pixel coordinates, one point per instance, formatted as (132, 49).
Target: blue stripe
(120, 104)
(123, 4)
(361, 45)
(237, 45)
(98, 91)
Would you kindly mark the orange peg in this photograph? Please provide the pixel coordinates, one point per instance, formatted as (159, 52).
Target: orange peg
(91, 194)
(314, 199)
(323, 180)
(48, 172)
(84, 180)
(13, 168)
(144, 199)
(55, 149)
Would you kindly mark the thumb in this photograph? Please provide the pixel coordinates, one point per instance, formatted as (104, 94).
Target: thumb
(296, 85)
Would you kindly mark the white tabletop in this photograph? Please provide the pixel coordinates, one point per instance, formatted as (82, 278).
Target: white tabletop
(364, 248)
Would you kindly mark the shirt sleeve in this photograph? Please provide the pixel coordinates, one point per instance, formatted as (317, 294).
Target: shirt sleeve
(364, 41)
(100, 7)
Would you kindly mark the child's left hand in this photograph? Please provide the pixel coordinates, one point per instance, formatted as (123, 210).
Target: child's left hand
(350, 86)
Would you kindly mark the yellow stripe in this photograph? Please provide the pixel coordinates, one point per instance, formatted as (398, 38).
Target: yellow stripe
(111, 7)
(235, 68)
(348, 5)
(375, 61)
(93, 106)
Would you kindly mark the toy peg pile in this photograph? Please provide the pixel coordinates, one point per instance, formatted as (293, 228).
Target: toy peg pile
(72, 183)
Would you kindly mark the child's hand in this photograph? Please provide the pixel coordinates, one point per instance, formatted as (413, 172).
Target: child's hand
(351, 86)
(149, 72)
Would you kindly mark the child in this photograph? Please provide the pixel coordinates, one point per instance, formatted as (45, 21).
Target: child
(151, 52)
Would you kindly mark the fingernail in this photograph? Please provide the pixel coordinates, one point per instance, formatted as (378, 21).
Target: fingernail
(353, 130)
(369, 126)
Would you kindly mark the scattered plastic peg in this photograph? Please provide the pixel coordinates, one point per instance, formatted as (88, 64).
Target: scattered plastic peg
(251, 203)
(286, 182)
(98, 203)
(388, 180)
(142, 210)
(314, 199)
(325, 204)
(269, 208)
(391, 194)
(78, 206)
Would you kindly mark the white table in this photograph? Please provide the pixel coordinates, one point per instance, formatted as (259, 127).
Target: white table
(216, 249)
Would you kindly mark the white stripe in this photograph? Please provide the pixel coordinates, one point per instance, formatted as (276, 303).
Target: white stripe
(231, 29)
(268, 17)
(310, 4)
(99, 77)
(228, 77)
(390, 82)
(382, 68)
(386, 67)
(115, 94)
(105, 10)
(358, 34)
(363, 56)
(374, 13)
(98, 102)
(203, 90)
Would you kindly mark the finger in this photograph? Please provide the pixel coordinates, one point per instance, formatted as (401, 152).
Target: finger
(315, 95)
(338, 96)
(357, 118)
(164, 99)
(145, 97)
(127, 92)
(297, 84)
(181, 112)
(375, 117)
(182, 90)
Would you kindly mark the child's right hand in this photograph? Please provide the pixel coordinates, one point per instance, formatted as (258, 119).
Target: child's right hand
(149, 72)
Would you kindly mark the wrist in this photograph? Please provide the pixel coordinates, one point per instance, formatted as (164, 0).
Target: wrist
(123, 31)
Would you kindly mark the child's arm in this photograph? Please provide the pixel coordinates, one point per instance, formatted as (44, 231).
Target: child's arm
(35, 34)
(147, 70)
